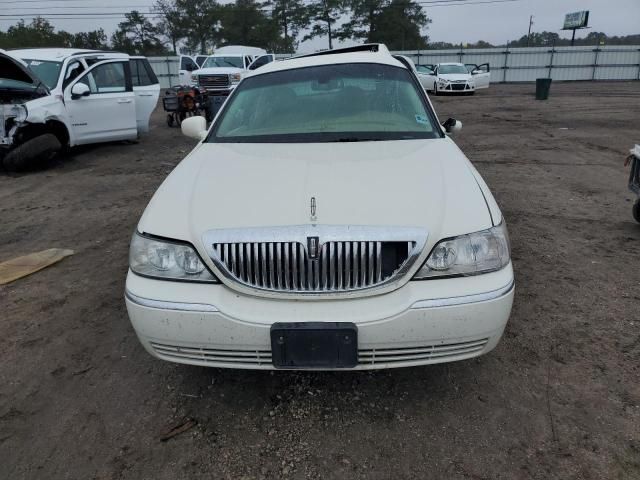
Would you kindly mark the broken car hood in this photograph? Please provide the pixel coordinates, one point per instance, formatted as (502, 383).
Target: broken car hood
(15, 70)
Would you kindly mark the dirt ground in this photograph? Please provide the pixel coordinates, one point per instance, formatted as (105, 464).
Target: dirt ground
(558, 399)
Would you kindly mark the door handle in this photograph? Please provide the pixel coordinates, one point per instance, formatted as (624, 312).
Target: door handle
(128, 100)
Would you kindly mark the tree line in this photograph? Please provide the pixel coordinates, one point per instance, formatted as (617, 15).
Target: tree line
(198, 26)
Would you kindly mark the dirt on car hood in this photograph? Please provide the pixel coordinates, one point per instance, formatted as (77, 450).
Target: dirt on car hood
(412, 183)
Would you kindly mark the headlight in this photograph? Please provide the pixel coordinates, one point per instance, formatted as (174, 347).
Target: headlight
(167, 260)
(479, 252)
(194, 79)
(19, 113)
(235, 77)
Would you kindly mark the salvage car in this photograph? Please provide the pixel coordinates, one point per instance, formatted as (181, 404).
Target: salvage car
(326, 220)
(454, 77)
(52, 99)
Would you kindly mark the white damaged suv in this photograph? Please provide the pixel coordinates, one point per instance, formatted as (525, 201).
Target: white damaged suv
(54, 98)
(325, 221)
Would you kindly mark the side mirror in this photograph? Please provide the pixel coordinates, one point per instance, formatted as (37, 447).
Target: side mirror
(452, 126)
(194, 127)
(80, 90)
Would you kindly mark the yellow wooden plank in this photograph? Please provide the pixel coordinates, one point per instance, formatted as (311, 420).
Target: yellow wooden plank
(22, 266)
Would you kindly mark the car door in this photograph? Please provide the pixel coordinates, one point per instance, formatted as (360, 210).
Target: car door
(108, 111)
(147, 90)
(262, 60)
(481, 75)
(187, 65)
(427, 76)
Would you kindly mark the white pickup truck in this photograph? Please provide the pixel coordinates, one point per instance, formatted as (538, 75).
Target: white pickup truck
(51, 99)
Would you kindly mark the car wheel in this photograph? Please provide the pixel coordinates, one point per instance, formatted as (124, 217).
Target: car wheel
(32, 153)
(435, 89)
(636, 210)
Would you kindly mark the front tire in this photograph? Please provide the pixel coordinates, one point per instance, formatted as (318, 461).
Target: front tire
(33, 153)
(636, 210)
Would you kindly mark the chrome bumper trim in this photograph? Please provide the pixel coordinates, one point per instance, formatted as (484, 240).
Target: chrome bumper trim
(163, 305)
(465, 299)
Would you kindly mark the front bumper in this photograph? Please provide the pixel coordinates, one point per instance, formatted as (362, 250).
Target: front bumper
(423, 322)
(456, 88)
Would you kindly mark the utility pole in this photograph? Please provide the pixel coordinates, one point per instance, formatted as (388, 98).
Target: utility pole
(529, 33)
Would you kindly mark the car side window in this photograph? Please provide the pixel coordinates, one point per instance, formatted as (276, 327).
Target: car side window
(74, 70)
(263, 60)
(188, 64)
(139, 74)
(107, 78)
(247, 62)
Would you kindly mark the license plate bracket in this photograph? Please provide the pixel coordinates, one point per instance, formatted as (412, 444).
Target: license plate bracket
(314, 345)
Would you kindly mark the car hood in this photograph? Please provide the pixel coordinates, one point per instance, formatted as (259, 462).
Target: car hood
(14, 69)
(412, 183)
(455, 76)
(218, 71)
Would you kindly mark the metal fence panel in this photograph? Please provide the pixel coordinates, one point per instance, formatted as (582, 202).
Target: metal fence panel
(610, 62)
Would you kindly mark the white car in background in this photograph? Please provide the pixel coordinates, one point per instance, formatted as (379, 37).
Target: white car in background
(187, 65)
(454, 77)
(326, 220)
(223, 71)
(56, 98)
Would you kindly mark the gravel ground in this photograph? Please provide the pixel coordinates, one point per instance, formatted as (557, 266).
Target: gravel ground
(559, 397)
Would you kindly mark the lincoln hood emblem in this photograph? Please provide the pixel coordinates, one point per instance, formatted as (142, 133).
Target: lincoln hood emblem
(313, 216)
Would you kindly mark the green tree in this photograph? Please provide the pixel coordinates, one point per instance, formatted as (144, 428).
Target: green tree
(364, 20)
(291, 17)
(38, 33)
(200, 23)
(94, 40)
(171, 23)
(137, 35)
(323, 17)
(399, 26)
(245, 23)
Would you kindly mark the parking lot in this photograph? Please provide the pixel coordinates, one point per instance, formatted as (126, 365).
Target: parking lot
(558, 398)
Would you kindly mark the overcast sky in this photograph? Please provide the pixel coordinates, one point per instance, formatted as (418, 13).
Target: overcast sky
(493, 22)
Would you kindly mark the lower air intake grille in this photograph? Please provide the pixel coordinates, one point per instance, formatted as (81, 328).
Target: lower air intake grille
(209, 355)
(413, 354)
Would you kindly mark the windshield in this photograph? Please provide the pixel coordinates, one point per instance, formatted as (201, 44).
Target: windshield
(215, 62)
(445, 69)
(329, 103)
(48, 72)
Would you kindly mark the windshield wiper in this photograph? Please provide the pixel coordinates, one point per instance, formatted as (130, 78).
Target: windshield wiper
(356, 139)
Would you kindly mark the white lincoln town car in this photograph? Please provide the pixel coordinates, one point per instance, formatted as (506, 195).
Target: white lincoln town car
(324, 221)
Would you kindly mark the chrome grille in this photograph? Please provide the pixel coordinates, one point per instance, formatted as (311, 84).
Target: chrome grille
(213, 81)
(346, 258)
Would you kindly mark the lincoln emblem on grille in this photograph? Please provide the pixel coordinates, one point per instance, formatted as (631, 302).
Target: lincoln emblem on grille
(313, 209)
(312, 247)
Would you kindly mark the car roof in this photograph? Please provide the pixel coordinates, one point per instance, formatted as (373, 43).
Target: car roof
(368, 53)
(60, 54)
(451, 63)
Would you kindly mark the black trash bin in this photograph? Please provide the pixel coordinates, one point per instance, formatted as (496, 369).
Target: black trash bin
(543, 85)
